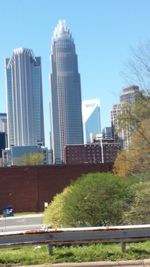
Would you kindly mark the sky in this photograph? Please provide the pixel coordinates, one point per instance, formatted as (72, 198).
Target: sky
(104, 31)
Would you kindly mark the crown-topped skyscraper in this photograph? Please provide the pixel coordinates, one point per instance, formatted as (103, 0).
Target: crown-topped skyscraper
(66, 114)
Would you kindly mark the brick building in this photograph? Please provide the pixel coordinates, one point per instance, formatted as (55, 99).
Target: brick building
(101, 151)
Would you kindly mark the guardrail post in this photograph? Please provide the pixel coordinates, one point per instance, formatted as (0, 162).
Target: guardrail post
(123, 246)
(50, 249)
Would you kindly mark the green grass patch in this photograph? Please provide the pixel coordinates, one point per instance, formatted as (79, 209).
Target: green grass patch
(96, 252)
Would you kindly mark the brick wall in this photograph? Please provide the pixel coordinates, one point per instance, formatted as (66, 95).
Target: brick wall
(27, 188)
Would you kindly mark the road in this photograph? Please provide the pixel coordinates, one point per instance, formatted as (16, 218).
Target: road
(23, 222)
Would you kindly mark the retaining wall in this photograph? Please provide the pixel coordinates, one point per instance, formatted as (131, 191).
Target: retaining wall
(27, 188)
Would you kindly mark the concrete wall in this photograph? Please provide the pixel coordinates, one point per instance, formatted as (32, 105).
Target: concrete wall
(27, 188)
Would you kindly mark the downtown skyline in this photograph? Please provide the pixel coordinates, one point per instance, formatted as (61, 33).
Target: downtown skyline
(104, 33)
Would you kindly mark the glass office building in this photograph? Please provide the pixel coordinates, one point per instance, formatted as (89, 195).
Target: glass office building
(91, 119)
(24, 99)
(66, 114)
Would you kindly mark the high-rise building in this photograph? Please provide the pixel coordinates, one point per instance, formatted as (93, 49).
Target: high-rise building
(91, 119)
(115, 112)
(24, 99)
(127, 96)
(66, 114)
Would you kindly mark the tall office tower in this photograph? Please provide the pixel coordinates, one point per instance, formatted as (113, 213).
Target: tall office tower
(66, 115)
(128, 94)
(24, 99)
(115, 112)
(91, 119)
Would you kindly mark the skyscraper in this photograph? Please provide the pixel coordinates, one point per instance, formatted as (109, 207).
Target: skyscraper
(24, 99)
(91, 119)
(66, 114)
(128, 94)
(127, 97)
(115, 112)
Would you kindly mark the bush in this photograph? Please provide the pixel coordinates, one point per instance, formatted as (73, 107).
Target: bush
(139, 212)
(95, 199)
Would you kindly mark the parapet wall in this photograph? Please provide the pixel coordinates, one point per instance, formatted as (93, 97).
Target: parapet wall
(27, 188)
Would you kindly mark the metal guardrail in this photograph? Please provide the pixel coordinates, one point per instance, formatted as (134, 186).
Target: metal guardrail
(123, 234)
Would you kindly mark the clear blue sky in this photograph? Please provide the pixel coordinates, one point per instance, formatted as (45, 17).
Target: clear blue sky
(104, 32)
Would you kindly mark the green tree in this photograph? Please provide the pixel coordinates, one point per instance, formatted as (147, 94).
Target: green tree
(32, 159)
(139, 212)
(121, 165)
(135, 118)
(95, 199)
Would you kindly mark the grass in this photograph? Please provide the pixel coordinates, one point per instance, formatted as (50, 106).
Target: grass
(96, 252)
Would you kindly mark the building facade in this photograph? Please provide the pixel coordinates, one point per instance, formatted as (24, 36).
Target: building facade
(127, 97)
(2, 146)
(91, 119)
(66, 115)
(100, 151)
(128, 94)
(3, 134)
(3, 123)
(115, 112)
(107, 133)
(24, 99)
(25, 155)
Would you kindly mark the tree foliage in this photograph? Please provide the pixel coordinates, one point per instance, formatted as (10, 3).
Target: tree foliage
(137, 69)
(132, 115)
(139, 212)
(136, 159)
(135, 120)
(32, 159)
(95, 199)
